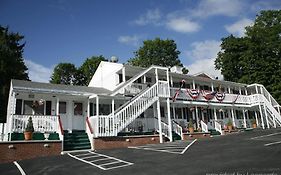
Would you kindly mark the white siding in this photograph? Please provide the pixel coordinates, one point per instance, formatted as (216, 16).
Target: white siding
(106, 75)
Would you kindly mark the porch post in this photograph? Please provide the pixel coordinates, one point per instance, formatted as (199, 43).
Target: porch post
(233, 117)
(196, 115)
(169, 120)
(159, 121)
(215, 114)
(256, 116)
(57, 106)
(244, 118)
(97, 106)
(266, 117)
(113, 117)
(212, 86)
(262, 122)
(257, 91)
(88, 107)
(240, 92)
(278, 109)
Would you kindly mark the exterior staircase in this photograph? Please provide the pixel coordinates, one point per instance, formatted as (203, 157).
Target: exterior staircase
(77, 140)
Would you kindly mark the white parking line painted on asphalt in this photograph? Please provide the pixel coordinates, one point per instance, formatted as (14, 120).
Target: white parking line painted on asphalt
(19, 167)
(174, 147)
(273, 143)
(96, 157)
(268, 135)
(188, 146)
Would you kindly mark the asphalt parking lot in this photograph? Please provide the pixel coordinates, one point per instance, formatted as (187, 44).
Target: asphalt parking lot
(251, 152)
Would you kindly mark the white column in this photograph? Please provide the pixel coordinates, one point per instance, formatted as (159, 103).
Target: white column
(228, 89)
(212, 87)
(159, 121)
(112, 106)
(240, 91)
(182, 113)
(278, 109)
(88, 108)
(169, 120)
(233, 117)
(262, 122)
(256, 116)
(97, 106)
(215, 114)
(57, 107)
(257, 91)
(196, 114)
(266, 117)
(246, 92)
(144, 79)
(113, 119)
(171, 80)
(244, 118)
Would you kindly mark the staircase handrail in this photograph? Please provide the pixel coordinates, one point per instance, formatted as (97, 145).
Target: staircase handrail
(60, 132)
(218, 127)
(271, 108)
(178, 129)
(267, 93)
(132, 99)
(204, 126)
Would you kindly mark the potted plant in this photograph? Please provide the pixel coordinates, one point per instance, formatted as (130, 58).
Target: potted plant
(190, 126)
(254, 123)
(29, 129)
(229, 125)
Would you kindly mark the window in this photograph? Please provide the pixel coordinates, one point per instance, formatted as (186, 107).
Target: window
(78, 109)
(28, 107)
(48, 108)
(120, 78)
(18, 106)
(62, 107)
(39, 108)
(148, 80)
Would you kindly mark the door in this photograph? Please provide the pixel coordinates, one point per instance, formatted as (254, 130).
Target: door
(64, 115)
(79, 120)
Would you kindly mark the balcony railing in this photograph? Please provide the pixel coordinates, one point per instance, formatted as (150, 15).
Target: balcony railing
(41, 123)
(229, 98)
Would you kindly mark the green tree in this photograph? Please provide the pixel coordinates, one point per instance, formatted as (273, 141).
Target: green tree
(255, 58)
(11, 65)
(87, 69)
(157, 52)
(64, 73)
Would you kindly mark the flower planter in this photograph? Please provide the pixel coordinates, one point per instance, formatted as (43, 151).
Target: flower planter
(254, 125)
(191, 130)
(28, 135)
(229, 127)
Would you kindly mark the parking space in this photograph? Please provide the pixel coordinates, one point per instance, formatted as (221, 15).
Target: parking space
(101, 161)
(179, 147)
(242, 153)
(269, 139)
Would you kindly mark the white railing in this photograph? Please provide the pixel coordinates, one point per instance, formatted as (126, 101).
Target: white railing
(2, 131)
(90, 132)
(164, 127)
(204, 126)
(178, 129)
(112, 124)
(41, 123)
(229, 98)
(218, 127)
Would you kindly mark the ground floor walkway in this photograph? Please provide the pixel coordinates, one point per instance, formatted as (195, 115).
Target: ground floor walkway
(252, 152)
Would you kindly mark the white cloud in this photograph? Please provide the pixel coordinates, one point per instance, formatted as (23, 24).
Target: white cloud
(150, 17)
(266, 5)
(37, 72)
(129, 40)
(218, 7)
(238, 28)
(204, 65)
(182, 25)
(204, 54)
(204, 50)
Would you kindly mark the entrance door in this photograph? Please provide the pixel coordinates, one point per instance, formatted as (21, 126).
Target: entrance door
(78, 117)
(64, 115)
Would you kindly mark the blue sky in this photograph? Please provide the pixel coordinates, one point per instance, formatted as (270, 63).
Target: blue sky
(70, 30)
